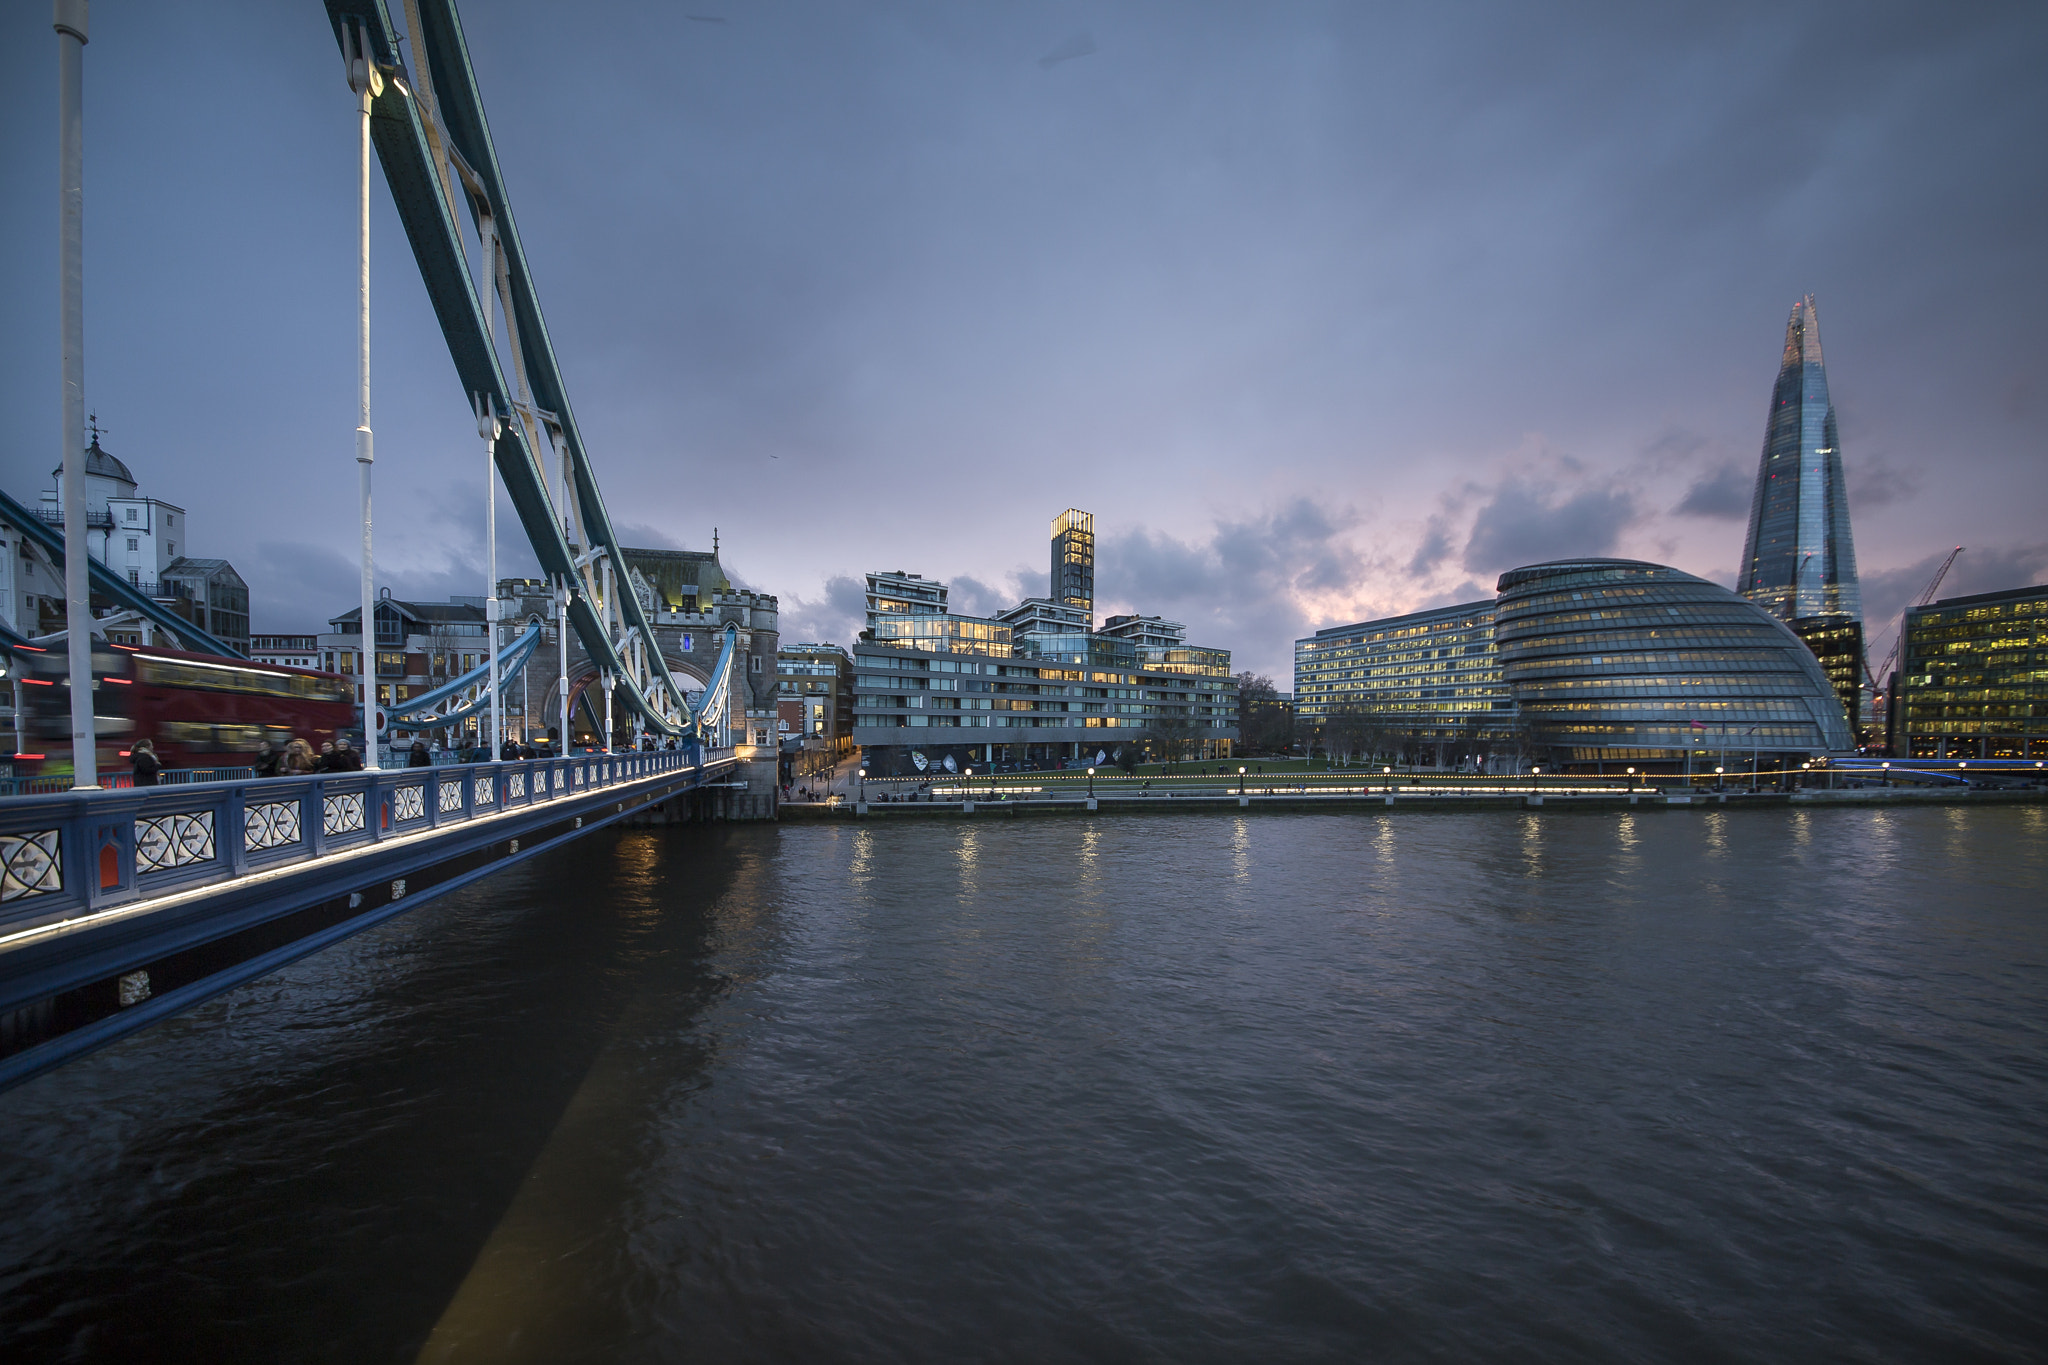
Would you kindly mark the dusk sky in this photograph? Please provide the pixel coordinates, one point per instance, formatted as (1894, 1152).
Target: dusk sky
(1324, 311)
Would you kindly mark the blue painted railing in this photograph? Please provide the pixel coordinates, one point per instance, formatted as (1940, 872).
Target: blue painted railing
(73, 853)
(169, 777)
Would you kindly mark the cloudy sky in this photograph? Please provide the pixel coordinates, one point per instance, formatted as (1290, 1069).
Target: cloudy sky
(1324, 310)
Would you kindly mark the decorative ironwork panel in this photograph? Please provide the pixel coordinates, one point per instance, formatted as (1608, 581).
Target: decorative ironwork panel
(515, 784)
(486, 792)
(561, 779)
(582, 773)
(451, 796)
(408, 803)
(273, 824)
(173, 841)
(31, 864)
(341, 814)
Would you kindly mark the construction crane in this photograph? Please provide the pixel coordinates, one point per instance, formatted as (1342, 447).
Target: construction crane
(1927, 595)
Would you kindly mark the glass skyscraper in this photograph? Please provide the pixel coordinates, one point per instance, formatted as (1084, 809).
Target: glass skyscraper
(1800, 560)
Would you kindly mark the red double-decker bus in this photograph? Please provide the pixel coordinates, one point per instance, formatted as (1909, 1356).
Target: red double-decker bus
(200, 711)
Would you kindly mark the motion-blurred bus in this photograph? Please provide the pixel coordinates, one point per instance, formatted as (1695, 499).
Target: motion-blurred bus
(200, 711)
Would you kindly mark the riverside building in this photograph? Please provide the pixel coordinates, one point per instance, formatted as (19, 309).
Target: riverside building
(1429, 676)
(814, 703)
(1973, 680)
(1614, 662)
(1799, 558)
(1586, 665)
(939, 691)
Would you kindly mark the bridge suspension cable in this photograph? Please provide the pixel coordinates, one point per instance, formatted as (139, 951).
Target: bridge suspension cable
(440, 163)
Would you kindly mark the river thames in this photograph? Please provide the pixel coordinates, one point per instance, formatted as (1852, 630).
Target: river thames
(1678, 1085)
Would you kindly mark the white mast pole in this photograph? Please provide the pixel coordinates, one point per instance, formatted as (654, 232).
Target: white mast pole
(70, 21)
(488, 426)
(367, 83)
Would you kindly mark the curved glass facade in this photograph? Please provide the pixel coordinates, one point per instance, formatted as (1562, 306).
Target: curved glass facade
(1616, 660)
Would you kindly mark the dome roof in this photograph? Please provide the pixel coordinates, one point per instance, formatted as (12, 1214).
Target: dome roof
(1618, 658)
(98, 462)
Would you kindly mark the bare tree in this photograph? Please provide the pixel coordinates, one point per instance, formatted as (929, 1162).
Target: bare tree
(1264, 722)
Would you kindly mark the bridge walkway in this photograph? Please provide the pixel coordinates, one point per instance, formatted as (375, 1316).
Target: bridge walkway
(118, 908)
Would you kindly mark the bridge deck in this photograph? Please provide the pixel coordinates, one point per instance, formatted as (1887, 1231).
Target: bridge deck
(121, 907)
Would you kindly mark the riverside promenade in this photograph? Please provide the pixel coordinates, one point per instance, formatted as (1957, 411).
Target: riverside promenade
(1069, 793)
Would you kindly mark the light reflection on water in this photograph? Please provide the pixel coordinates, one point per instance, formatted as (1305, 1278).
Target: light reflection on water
(1516, 1086)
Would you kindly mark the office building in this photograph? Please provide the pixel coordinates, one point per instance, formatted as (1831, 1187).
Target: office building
(1430, 670)
(1837, 643)
(1973, 678)
(1799, 559)
(1616, 662)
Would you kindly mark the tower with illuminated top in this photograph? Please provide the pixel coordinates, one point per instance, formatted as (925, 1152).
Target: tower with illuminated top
(1799, 562)
(1073, 562)
(1800, 559)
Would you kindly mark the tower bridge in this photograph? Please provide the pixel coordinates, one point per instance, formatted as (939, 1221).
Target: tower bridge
(121, 906)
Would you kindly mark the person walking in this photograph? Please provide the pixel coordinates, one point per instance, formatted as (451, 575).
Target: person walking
(509, 749)
(298, 760)
(346, 759)
(325, 763)
(419, 757)
(269, 759)
(147, 767)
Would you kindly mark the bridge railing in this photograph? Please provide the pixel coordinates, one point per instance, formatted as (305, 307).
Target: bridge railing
(169, 777)
(74, 853)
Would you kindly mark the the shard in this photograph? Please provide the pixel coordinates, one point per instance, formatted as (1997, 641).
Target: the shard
(1800, 561)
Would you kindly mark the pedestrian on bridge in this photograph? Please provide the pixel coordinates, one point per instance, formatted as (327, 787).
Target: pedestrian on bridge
(298, 760)
(345, 758)
(419, 757)
(147, 767)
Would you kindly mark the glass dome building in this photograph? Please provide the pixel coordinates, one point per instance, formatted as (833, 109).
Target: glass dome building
(1618, 661)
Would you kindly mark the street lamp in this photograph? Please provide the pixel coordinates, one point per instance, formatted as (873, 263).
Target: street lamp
(1887, 774)
(1091, 784)
(863, 786)
(1631, 779)
(1717, 777)
(969, 772)
(1240, 779)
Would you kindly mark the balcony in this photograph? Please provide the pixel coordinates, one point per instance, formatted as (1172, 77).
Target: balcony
(101, 518)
